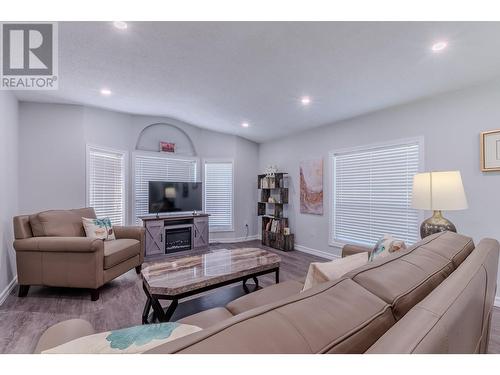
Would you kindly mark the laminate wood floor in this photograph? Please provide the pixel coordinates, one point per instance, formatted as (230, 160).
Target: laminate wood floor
(23, 320)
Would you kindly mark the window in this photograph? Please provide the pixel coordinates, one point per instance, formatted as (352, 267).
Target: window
(158, 168)
(106, 183)
(371, 195)
(219, 195)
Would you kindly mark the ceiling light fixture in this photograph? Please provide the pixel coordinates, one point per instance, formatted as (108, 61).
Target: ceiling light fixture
(439, 46)
(121, 25)
(245, 124)
(106, 92)
(305, 100)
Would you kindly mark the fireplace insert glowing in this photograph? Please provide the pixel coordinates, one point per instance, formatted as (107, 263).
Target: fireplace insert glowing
(178, 238)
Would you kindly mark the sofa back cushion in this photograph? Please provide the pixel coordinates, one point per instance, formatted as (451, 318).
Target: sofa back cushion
(407, 277)
(335, 317)
(60, 223)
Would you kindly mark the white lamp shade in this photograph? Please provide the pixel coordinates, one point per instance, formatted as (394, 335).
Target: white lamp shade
(439, 191)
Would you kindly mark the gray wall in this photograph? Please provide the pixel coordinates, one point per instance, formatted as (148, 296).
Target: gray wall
(450, 125)
(53, 140)
(8, 188)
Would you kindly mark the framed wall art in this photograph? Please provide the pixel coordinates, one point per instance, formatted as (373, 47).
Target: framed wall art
(311, 187)
(490, 151)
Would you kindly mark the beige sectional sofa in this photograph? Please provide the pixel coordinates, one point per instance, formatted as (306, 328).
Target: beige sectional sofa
(52, 250)
(434, 297)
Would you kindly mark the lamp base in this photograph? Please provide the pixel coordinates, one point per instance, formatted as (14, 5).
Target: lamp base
(436, 223)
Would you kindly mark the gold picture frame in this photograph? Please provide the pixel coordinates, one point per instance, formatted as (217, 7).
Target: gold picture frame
(490, 150)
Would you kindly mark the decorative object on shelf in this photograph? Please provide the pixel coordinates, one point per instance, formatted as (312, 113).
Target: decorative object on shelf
(490, 151)
(271, 206)
(438, 191)
(167, 147)
(271, 171)
(311, 187)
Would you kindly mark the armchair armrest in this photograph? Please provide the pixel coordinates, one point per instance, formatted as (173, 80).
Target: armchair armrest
(59, 244)
(132, 232)
(351, 249)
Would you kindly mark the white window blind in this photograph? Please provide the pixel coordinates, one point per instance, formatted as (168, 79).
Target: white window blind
(106, 184)
(157, 168)
(372, 194)
(219, 195)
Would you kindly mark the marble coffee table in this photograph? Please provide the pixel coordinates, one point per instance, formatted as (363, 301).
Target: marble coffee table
(179, 277)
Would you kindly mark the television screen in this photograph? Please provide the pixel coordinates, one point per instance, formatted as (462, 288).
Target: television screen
(174, 196)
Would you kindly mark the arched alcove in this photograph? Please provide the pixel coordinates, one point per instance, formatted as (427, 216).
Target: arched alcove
(149, 139)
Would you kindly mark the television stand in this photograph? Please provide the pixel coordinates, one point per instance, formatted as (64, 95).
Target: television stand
(170, 234)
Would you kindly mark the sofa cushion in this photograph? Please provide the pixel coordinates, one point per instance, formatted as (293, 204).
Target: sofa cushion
(335, 317)
(207, 318)
(404, 278)
(264, 296)
(117, 251)
(60, 223)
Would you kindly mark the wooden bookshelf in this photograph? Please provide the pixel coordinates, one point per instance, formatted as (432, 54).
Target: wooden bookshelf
(272, 208)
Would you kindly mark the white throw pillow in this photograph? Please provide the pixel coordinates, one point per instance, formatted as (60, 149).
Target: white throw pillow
(132, 340)
(101, 229)
(386, 246)
(320, 272)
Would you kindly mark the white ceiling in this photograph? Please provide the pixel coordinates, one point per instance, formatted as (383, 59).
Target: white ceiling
(217, 75)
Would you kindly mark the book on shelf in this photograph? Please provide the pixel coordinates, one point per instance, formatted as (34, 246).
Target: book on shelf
(276, 226)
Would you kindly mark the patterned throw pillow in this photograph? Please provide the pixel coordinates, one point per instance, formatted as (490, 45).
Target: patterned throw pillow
(132, 340)
(99, 228)
(386, 246)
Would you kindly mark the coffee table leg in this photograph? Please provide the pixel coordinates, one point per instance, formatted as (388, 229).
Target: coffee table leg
(245, 287)
(256, 281)
(158, 309)
(170, 310)
(145, 312)
(277, 276)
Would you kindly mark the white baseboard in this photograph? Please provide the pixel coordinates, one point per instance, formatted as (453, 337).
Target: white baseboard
(234, 240)
(5, 293)
(316, 252)
(497, 302)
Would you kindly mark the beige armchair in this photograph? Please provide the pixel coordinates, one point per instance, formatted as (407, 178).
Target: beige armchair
(52, 250)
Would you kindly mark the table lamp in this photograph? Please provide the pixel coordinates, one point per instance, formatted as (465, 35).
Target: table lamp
(438, 191)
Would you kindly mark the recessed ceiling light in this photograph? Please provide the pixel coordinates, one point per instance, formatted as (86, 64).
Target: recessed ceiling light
(439, 46)
(305, 100)
(120, 25)
(106, 92)
(245, 124)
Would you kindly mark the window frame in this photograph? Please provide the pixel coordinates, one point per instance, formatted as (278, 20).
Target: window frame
(164, 155)
(125, 154)
(332, 241)
(219, 160)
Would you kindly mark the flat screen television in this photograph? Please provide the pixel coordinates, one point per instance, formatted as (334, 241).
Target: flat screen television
(174, 196)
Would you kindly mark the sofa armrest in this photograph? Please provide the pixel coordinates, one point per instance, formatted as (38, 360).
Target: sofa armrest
(63, 332)
(60, 244)
(132, 232)
(350, 249)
